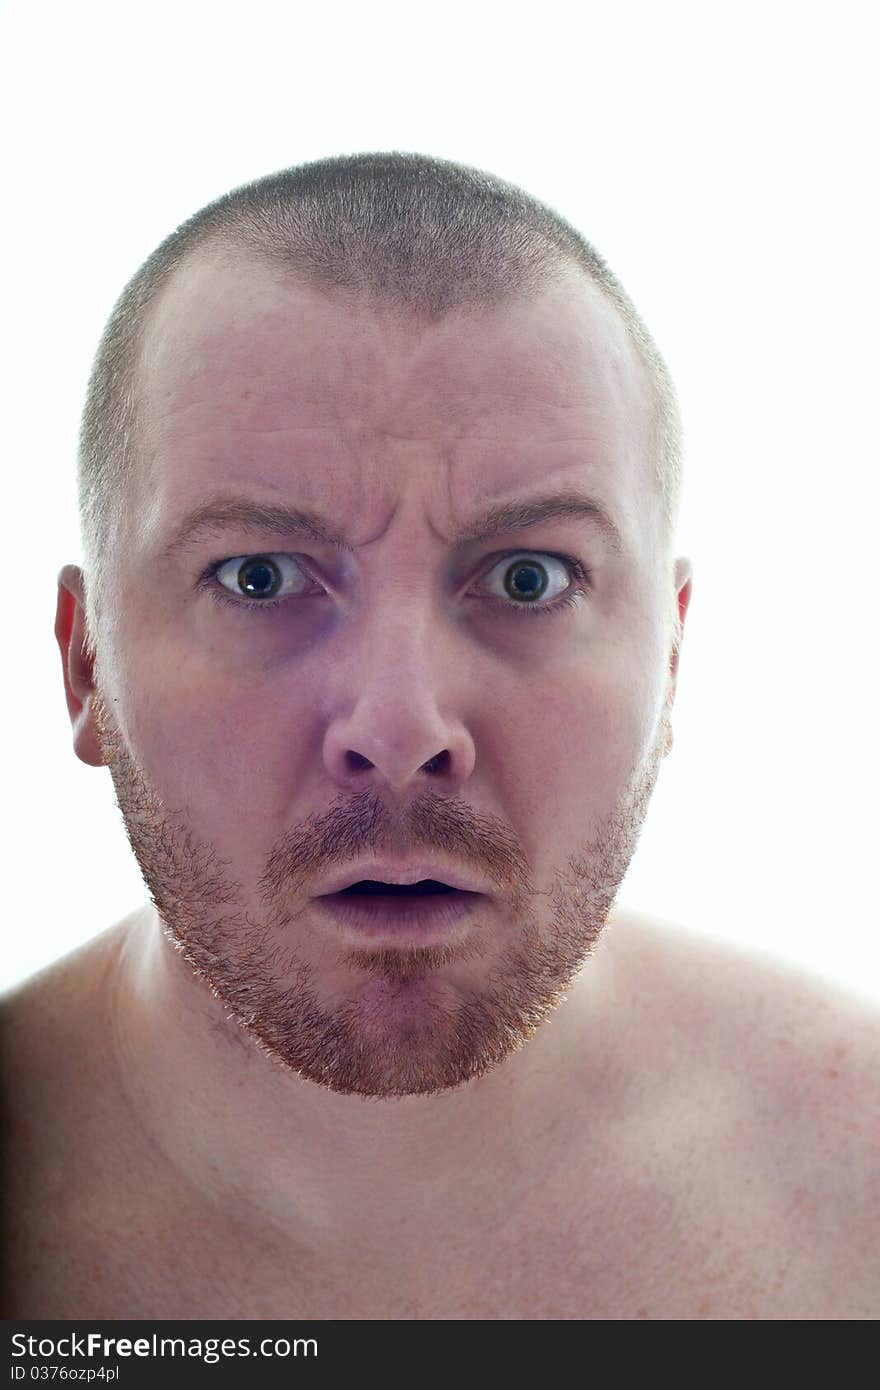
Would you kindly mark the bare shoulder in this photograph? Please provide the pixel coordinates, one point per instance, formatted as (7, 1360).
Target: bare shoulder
(61, 1122)
(43, 1017)
(784, 1068)
(53, 1032)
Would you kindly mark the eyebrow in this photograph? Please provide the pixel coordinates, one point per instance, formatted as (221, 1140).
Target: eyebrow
(222, 513)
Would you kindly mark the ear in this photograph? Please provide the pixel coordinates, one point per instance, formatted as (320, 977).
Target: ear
(77, 664)
(683, 584)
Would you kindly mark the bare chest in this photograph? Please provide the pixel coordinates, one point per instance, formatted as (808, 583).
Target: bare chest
(98, 1258)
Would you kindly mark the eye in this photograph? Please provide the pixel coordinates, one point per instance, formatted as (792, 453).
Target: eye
(260, 577)
(525, 583)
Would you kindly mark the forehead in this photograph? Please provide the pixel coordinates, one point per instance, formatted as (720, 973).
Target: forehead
(248, 377)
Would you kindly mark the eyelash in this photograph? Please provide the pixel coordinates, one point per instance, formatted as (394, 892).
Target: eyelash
(570, 599)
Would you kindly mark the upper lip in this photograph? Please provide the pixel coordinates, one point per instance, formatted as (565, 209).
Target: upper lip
(387, 871)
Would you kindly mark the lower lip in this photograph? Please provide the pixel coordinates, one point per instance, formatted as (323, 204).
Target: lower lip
(410, 917)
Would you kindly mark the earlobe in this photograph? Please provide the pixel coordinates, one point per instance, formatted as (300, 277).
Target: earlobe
(77, 665)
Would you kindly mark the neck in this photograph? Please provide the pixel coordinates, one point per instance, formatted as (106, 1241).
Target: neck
(241, 1136)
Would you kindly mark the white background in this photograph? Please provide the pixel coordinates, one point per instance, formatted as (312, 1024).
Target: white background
(723, 160)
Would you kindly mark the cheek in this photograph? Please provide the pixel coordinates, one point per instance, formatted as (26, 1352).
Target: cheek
(587, 731)
(590, 735)
(214, 748)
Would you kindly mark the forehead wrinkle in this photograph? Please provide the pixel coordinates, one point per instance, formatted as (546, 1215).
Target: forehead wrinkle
(394, 347)
(547, 404)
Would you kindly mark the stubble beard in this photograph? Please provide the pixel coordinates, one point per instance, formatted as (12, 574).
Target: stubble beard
(253, 967)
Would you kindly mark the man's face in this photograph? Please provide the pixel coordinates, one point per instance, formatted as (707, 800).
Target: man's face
(256, 751)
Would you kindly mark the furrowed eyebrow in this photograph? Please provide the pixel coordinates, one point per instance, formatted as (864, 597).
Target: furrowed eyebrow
(520, 515)
(223, 513)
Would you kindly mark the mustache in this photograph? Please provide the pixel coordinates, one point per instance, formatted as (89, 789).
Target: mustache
(364, 827)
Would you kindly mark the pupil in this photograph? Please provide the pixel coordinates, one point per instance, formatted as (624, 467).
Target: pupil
(534, 583)
(258, 577)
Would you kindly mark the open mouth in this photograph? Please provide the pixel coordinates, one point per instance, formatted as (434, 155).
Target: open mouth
(371, 888)
(378, 908)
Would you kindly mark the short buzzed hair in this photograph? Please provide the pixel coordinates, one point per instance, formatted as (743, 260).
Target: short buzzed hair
(426, 235)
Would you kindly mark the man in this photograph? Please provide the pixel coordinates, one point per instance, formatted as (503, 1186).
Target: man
(378, 633)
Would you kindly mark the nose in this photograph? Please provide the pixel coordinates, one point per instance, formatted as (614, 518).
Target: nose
(399, 738)
(382, 757)
(398, 706)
